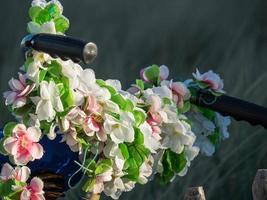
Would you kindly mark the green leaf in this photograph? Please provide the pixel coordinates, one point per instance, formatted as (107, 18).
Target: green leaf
(185, 108)
(124, 104)
(166, 101)
(173, 163)
(202, 85)
(45, 126)
(54, 69)
(62, 24)
(139, 137)
(152, 73)
(67, 98)
(103, 166)
(132, 170)
(176, 161)
(6, 188)
(9, 128)
(89, 184)
(209, 114)
(2, 149)
(42, 17)
(34, 12)
(140, 84)
(140, 116)
(42, 75)
(124, 151)
(53, 10)
(28, 61)
(215, 137)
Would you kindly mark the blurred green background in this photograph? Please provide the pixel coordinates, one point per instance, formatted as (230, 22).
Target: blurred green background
(228, 36)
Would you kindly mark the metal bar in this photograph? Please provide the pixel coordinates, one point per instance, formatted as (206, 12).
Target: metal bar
(234, 107)
(61, 46)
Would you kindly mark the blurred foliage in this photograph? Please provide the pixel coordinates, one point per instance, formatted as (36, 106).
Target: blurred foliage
(228, 36)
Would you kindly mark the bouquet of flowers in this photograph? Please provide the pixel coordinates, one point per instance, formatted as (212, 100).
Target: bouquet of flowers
(122, 137)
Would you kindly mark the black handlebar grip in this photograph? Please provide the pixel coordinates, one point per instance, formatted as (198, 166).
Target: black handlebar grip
(234, 107)
(61, 46)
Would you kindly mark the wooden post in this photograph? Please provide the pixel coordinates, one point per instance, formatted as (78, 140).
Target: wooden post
(259, 186)
(194, 193)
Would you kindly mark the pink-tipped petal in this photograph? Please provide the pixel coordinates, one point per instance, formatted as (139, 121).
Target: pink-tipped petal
(37, 185)
(15, 85)
(10, 97)
(36, 151)
(22, 174)
(6, 171)
(34, 134)
(19, 102)
(11, 145)
(19, 130)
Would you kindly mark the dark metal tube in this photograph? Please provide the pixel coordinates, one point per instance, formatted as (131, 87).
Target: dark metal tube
(234, 107)
(61, 46)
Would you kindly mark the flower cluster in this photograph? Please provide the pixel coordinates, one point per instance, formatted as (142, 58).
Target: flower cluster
(122, 137)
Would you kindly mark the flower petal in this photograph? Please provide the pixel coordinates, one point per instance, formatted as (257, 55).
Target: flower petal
(36, 151)
(6, 171)
(19, 102)
(34, 134)
(37, 185)
(164, 72)
(11, 145)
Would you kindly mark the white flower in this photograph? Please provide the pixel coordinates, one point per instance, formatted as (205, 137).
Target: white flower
(162, 92)
(116, 84)
(100, 180)
(34, 67)
(202, 125)
(145, 170)
(150, 141)
(120, 130)
(47, 27)
(177, 135)
(206, 147)
(223, 123)
(111, 150)
(190, 153)
(115, 187)
(40, 3)
(49, 101)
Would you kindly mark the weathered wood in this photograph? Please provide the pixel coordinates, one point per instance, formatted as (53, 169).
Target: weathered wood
(259, 186)
(194, 193)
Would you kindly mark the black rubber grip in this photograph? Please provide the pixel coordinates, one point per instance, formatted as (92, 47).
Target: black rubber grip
(234, 107)
(61, 46)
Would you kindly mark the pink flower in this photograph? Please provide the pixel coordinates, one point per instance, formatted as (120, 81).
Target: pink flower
(163, 73)
(34, 191)
(180, 92)
(91, 105)
(156, 131)
(70, 137)
(23, 146)
(17, 97)
(93, 124)
(212, 79)
(19, 173)
(100, 179)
